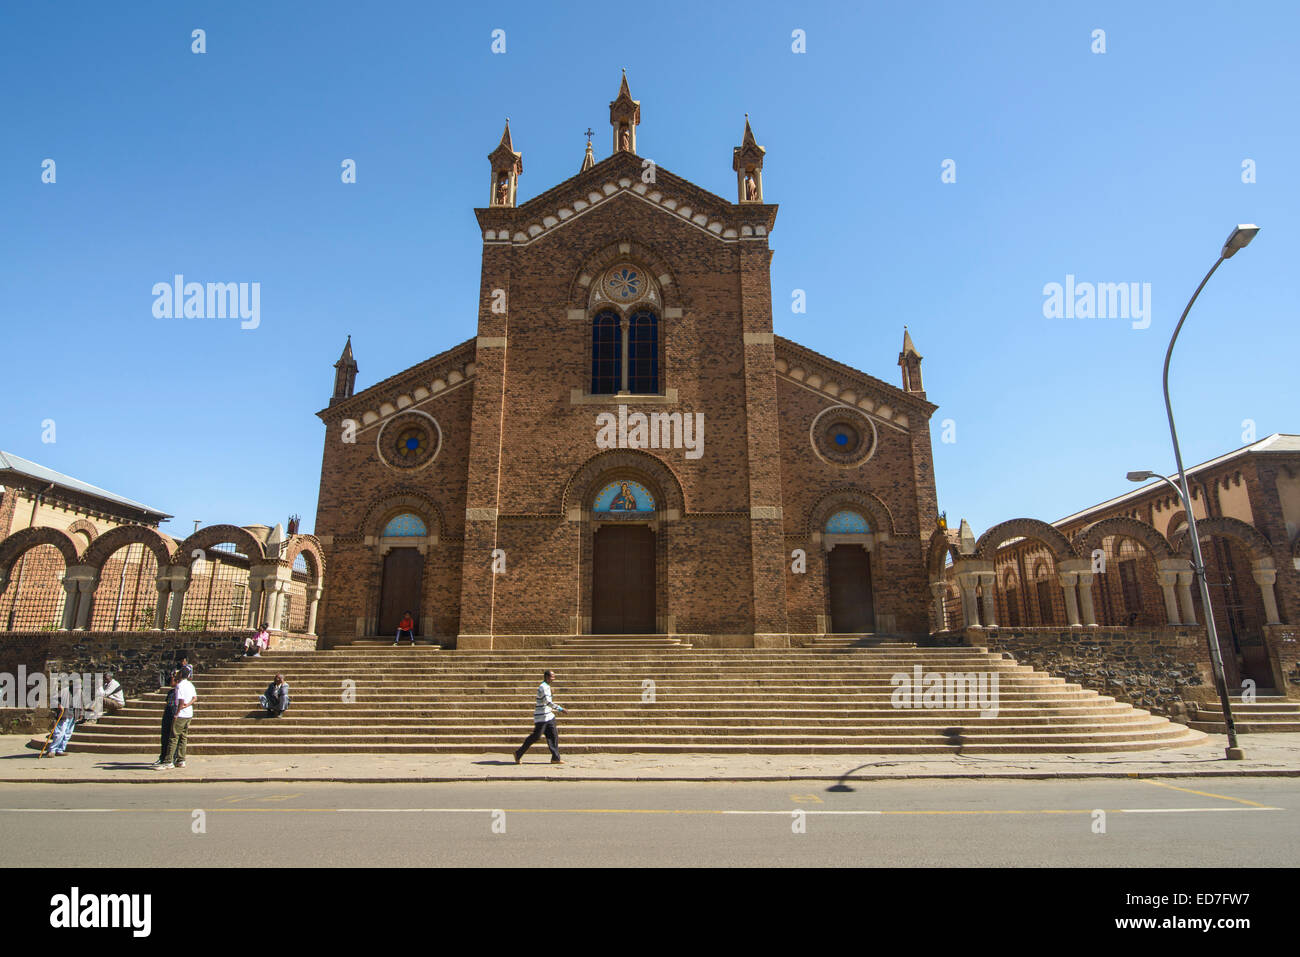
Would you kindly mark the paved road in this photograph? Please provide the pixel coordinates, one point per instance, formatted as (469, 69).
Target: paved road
(1183, 822)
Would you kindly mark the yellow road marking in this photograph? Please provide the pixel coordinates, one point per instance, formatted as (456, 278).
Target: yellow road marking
(806, 799)
(1221, 797)
(614, 810)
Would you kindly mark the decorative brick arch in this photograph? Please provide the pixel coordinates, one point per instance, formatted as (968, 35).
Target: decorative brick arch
(943, 542)
(99, 551)
(1090, 538)
(605, 467)
(83, 527)
(309, 547)
(13, 547)
(205, 538)
(850, 496)
(1248, 535)
(597, 262)
(1060, 546)
(403, 499)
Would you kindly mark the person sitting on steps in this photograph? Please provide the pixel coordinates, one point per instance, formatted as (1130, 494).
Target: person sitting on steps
(405, 627)
(254, 645)
(276, 697)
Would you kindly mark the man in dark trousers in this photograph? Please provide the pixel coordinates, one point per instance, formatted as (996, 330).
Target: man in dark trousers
(544, 712)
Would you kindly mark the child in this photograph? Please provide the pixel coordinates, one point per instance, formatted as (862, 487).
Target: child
(405, 626)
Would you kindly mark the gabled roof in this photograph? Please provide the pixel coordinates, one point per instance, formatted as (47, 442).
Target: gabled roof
(14, 465)
(1278, 442)
(414, 377)
(792, 352)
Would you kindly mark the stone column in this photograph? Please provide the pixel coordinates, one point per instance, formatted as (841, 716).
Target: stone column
(1085, 599)
(939, 590)
(1167, 570)
(969, 572)
(1265, 577)
(86, 587)
(989, 580)
(254, 601)
(1185, 596)
(69, 603)
(164, 586)
(1068, 581)
(179, 588)
(313, 601)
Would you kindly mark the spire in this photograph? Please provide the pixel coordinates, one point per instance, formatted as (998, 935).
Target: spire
(345, 374)
(747, 161)
(624, 117)
(909, 360)
(589, 160)
(506, 167)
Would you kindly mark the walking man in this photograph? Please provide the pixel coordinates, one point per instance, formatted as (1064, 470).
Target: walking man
(185, 697)
(169, 716)
(544, 712)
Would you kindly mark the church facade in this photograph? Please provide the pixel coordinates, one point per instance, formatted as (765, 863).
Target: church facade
(624, 446)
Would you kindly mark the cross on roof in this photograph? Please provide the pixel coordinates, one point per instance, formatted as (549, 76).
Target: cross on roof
(589, 132)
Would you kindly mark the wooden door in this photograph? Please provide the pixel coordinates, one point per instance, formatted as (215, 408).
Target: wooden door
(400, 592)
(852, 610)
(623, 580)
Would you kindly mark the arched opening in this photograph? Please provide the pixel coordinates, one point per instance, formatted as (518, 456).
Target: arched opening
(402, 576)
(624, 585)
(850, 601)
(126, 597)
(217, 596)
(293, 609)
(35, 597)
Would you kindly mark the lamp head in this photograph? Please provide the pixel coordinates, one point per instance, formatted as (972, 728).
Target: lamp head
(1141, 476)
(1240, 239)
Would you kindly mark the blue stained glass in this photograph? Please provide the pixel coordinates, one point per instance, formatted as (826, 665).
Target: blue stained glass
(405, 526)
(846, 522)
(412, 444)
(841, 438)
(623, 496)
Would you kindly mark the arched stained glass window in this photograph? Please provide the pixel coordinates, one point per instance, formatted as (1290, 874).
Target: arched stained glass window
(606, 354)
(643, 354)
(405, 525)
(624, 496)
(847, 522)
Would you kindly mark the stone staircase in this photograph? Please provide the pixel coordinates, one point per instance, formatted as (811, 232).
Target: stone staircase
(1268, 713)
(631, 695)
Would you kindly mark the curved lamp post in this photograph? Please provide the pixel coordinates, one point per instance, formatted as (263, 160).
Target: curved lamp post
(1239, 239)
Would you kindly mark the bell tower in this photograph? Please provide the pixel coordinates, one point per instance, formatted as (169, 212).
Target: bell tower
(506, 167)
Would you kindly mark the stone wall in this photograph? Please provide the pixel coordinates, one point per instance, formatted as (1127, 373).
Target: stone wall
(137, 658)
(1152, 668)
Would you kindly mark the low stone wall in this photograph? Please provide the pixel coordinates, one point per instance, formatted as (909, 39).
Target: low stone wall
(138, 658)
(1152, 668)
(26, 720)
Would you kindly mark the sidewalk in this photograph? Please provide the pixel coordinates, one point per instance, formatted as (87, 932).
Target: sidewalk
(1271, 755)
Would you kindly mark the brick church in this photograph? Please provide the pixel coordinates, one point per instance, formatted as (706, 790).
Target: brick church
(624, 446)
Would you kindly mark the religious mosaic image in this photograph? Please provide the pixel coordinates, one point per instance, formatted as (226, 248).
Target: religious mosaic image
(624, 496)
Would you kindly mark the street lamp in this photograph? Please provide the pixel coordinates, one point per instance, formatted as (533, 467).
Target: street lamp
(1239, 239)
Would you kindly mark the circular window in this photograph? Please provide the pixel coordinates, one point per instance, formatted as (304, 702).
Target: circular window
(843, 436)
(410, 440)
(625, 284)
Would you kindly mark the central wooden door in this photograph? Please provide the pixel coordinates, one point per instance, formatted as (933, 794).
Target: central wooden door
(852, 610)
(403, 573)
(623, 580)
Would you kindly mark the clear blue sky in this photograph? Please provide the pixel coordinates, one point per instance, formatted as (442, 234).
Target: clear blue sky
(1117, 167)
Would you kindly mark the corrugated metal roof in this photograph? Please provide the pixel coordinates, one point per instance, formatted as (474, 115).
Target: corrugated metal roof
(21, 466)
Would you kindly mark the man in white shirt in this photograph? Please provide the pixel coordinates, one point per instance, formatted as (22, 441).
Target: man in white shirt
(544, 711)
(111, 698)
(185, 697)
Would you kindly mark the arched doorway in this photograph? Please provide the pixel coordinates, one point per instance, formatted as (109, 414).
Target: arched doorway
(624, 585)
(402, 576)
(851, 604)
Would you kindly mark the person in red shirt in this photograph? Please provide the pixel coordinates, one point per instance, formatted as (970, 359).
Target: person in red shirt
(405, 627)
